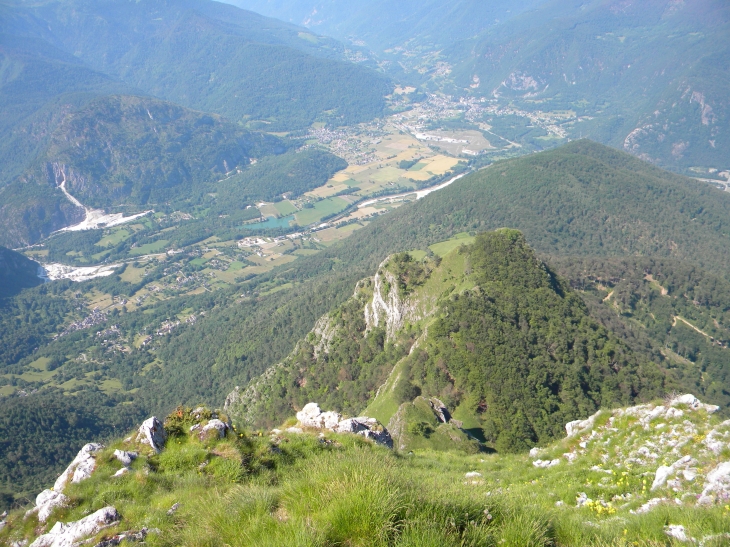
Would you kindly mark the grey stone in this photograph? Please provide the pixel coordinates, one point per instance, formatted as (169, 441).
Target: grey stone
(67, 534)
(80, 468)
(152, 432)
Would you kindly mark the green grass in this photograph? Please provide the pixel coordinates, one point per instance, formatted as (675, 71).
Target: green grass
(285, 207)
(114, 238)
(321, 209)
(341, 490)
(148, 248)
(418, 166)
(445, 247)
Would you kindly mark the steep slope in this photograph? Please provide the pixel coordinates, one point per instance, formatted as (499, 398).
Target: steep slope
(209, 56)
(490, 331)
(655, 474)
(16, 272)
(675, 310)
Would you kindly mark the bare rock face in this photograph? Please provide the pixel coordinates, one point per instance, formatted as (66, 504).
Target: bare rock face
(153, 433)
(312, 416)
(81, 467)
(68, 534)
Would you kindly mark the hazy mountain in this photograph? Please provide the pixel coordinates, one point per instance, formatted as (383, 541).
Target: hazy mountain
(210, 56)
(651, 77)
(383, 24)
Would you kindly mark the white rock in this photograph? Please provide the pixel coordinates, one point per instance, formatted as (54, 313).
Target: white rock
(570, 456)
(296, 430)
(649, 505)
(535, 452)
(152, 432)
(122, 471)
(125, 458)
(546, 463)
(45, 503)
(664, 472)
(80, 468)
(472, 474)
(689, 474)
(576, 426)
(693, 403)
(677, 532)
(67, 534)
(309, 415)
(217, 425)
(717, 483)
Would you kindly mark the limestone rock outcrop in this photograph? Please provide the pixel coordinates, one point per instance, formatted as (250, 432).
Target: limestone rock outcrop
(311, 416)
(80, 468)
(68, 534)
(153, 433)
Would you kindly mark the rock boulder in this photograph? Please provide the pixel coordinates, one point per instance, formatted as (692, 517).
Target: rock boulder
(68, 534)
(152, 432)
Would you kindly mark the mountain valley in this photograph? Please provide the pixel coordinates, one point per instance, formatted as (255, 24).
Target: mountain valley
(373, 261)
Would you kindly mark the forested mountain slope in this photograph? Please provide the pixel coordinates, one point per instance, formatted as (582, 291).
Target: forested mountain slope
(489, 330)
(210, 56)
(16, 272)
(580, 200)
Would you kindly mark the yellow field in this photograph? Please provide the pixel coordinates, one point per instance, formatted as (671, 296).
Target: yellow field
(438, 165)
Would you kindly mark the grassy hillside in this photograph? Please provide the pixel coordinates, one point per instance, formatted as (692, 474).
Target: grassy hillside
(339, 489)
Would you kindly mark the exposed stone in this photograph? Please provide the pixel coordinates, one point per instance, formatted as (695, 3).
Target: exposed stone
(67, 534)
(472, 474)
(581, 499)
(677, 532)
(546, 463)
(664, 472)
(439, 408)
(693, 402)
(80, 468)
(717, 485)
(649, 505)
(219, 426)
(171, 511)
(124, 536)
(47, 501)
(312, 416)
(576, 426)
(535, 452)
(152, 432)
(125, 458)
(122, 471)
